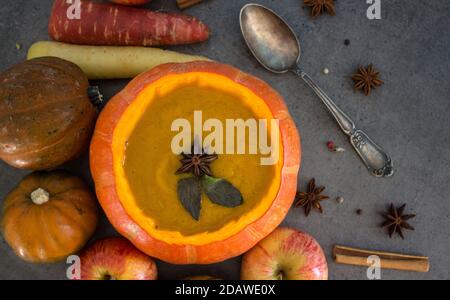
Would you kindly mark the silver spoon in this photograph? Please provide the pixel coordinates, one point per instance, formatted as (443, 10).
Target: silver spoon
(275, 45)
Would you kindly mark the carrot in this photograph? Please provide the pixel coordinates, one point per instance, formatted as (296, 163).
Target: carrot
(110, 62)
(94, 23)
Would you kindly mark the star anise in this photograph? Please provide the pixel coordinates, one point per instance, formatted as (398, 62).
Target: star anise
(396, 220)
(367, 79)
(311, 198)
(197, 164)
(320, 6)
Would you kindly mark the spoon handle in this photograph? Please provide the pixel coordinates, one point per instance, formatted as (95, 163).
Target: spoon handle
(377, 161)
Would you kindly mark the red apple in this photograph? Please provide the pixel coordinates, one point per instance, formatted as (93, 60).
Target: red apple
(131, 2)
(285, 254)
(116, 259)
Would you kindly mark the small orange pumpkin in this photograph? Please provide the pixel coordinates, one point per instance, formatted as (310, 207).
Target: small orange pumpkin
(137, 187)
(48, 216)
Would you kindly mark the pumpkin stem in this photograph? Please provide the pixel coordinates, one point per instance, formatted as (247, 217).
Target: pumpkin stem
(95, 95)
(40, 196)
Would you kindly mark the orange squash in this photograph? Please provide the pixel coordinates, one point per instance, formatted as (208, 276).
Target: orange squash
(134, 169)
(48, 216)
(46, 116)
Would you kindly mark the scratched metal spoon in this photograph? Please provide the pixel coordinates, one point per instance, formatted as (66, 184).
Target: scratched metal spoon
(276, 47)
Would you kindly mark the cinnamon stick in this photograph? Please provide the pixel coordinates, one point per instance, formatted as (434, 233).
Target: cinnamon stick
(395, 261)
(182, 4)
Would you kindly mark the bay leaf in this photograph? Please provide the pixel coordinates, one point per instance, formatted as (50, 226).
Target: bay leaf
(190, 194)
(222, 192)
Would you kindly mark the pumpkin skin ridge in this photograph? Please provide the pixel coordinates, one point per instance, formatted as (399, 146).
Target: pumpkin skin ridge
(42, 105)
(44, 62)
(86, 133)
(57, 139)
(101, 162)
(69, 217)
(45, 229)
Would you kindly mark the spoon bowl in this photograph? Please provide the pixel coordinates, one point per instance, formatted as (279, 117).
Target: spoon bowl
(271, 40)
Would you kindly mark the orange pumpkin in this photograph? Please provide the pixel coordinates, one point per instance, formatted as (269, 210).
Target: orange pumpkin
(48, 216)
(135, 177)
(46, 116)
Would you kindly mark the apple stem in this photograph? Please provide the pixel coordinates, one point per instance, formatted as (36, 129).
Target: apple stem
(280, 275)
(108, 277)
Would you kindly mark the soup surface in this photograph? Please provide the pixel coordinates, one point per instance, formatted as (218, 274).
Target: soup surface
(143, 156)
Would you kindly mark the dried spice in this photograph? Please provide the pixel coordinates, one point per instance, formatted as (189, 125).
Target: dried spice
(320, 6)
(396, 220)
(197, 164)
(311, 198)
(333, 148)
(367, 79)
(183, 4)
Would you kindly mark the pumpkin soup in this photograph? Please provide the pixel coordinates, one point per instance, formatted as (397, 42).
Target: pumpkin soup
(149, 165)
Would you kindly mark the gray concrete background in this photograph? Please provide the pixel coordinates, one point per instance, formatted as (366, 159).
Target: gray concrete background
(408, 116)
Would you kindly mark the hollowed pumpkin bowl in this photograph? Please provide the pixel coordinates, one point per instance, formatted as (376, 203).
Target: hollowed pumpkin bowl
(134, 167)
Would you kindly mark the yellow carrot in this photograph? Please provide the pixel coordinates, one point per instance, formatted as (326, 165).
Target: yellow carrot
(108, 62)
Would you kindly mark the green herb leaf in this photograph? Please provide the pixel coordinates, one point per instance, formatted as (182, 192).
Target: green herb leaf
(190, 195)
(221, 192)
